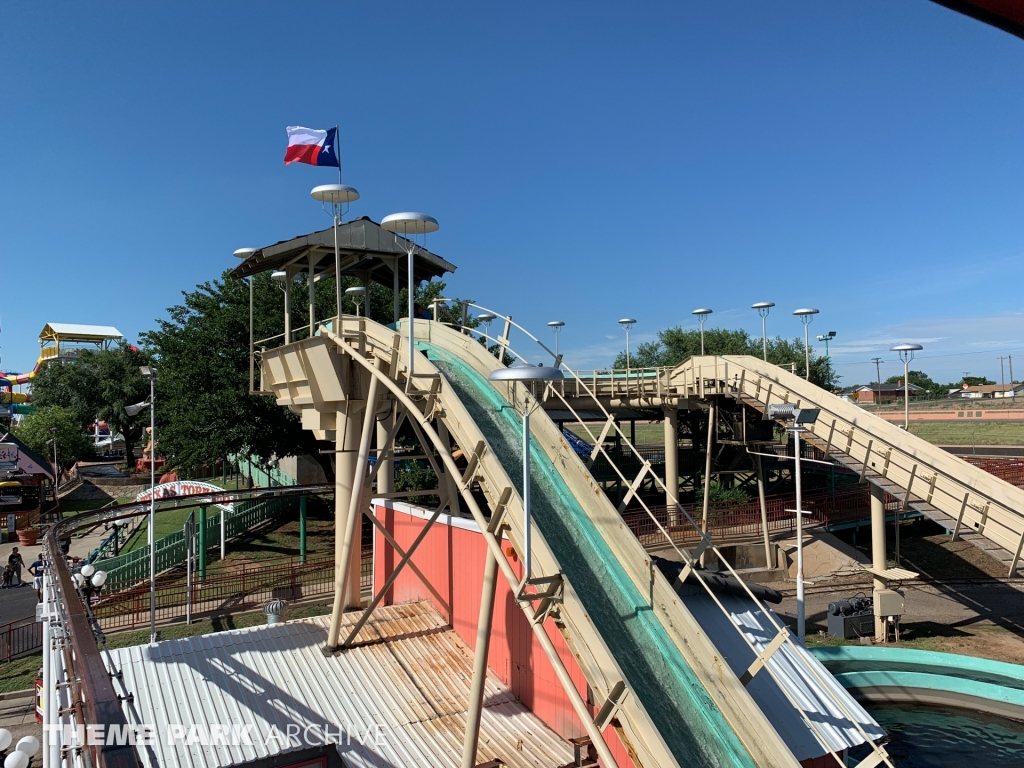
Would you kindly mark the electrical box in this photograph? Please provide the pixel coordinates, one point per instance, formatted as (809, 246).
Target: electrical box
(889, 602)
(848, 619)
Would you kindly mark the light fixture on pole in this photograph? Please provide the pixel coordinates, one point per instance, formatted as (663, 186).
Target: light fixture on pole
(763, 308)
(826, 337)
(358, 294)
(702, 315)
(337, 196)
(133, 410)
(529, 376)
(556, 326)
(280, 277)
(906, 353)
(806, 315)
(795, 418)
(410, 225)
(627, 323)
(485, 320)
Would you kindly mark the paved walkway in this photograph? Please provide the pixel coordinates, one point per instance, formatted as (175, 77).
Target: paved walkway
(19, 602)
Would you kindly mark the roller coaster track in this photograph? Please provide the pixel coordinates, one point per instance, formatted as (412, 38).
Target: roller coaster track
(648, 661)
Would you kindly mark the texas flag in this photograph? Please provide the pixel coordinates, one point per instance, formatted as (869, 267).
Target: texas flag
(307, 145)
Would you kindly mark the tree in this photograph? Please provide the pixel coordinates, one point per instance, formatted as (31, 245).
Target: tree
(922, 380)
(98, 385)
(54, 421)
(202, 355)
(675, 345)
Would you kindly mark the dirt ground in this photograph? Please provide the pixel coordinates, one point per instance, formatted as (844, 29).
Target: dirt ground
(962, 603)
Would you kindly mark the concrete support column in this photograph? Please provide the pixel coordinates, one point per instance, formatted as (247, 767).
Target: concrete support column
(347, 445)
(386, 473)
(451, 483)
(707, 473)
(671, 463)
(878, 561)
(483, 638)
(768, 560)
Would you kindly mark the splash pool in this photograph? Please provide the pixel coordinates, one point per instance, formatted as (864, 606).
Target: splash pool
(946, 737)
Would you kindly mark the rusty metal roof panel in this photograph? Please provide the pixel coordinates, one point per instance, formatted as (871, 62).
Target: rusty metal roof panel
(411, 677)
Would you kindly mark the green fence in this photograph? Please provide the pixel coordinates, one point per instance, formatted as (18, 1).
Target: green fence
(263, 477)
(171, 549)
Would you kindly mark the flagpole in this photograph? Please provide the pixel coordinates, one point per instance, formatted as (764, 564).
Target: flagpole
(337, 145)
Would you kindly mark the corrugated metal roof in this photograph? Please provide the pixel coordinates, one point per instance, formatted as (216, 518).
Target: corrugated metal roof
(74, 329)
(412, 677)
(794, 665)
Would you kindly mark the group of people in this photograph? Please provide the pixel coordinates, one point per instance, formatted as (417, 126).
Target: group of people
(12, 572)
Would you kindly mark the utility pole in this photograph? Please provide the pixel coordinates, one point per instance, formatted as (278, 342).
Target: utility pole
(1002, 378)
(878, 375)
(1013, 389)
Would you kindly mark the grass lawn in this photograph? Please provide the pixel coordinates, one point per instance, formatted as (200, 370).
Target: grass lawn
(985, 641)
(970, 433)
(21, 673)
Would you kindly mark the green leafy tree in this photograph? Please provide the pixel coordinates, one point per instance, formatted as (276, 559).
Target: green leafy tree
(63, 424)
(98, 385)
(202, 355)
(922, 380)
(675, 345)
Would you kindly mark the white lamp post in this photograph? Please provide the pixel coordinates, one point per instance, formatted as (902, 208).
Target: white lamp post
(627, 323)
(702, 315)
(337, 196)
(410, 225)
(528, 375)
(763, 308)
(485, 320)
(906, 352)
(358, 294)
(133, 410)
(806, 315)
(556, 326)
(796, 418)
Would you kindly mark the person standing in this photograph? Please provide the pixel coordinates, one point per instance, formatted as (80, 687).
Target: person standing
(36, 569)
(16, 562)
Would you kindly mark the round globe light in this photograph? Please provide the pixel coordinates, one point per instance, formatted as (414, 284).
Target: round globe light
(28, 744)
(5, 739)
(88, 570)
(16, 759)
(99, 579)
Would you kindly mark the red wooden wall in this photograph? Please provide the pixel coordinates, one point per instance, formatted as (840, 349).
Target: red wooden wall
(452, 558)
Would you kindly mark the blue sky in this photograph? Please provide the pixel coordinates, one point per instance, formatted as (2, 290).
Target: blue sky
(586, 161)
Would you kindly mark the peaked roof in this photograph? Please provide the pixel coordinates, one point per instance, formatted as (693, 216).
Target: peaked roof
(28, 460)
(76, 331)
(364, 246)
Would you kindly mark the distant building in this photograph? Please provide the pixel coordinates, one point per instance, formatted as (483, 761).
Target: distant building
(989, 391)
(871, 393)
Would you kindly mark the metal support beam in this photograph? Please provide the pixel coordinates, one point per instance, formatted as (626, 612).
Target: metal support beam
(759, 468)
(412, 566)
(707, 472)
(406, 557)
(483, 638)
(878, 561)
(672, 463)
(346, 587)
